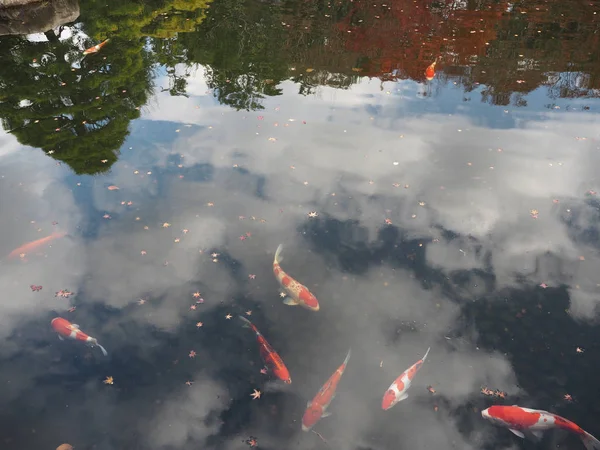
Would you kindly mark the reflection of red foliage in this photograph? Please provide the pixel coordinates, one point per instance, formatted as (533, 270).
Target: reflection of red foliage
(510, 50)
(401, 39)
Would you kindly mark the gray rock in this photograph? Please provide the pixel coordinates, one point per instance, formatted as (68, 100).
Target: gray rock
(27, 17)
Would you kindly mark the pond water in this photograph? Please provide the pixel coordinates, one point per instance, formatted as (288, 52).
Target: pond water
(450, 206)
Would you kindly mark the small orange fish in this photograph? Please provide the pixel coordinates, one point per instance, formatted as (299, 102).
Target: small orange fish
(269, 355)
(66, 329)
(430, 71)
(317, 408)
(293, 292)
(31, 246)
(95, 48)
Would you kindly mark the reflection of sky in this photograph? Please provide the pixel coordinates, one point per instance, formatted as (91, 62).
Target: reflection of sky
(462, 257)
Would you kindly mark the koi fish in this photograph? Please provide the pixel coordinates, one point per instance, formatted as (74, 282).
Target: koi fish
(397, 390)
(34, 245)
(430, 71)
(95, 48)
(531, 423)
(269, 355)
(66, 329)
(317, 408)
(293, 293)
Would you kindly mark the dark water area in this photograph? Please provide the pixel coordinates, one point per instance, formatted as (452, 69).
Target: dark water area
(450, 206)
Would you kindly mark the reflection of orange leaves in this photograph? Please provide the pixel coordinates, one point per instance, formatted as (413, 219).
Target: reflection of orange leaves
(424, 33)
(64, 447)
(486, 391)
(493, 393)
(109, 380)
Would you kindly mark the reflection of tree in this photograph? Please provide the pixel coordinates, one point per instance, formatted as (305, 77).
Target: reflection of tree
(80, 115)
(242, 48)
(78, 109)
(555, 44)
(508, 48)
(249, 47)
(161, 20)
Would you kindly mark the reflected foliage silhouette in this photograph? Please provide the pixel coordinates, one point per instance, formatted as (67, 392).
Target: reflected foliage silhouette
(78, 109)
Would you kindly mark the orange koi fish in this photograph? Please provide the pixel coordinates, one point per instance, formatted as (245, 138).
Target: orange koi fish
(269, 355)
(317, 408)
(430, 71)
(66, 329)
(95, 48)
(293, 293)
(397, 391)
(531, 423)
(31, 246)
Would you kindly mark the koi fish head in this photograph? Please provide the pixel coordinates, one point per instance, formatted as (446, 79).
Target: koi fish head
(59, 324)
(283, 374)
(389, 399)
(311, 416)
(309, 300)
(491, 415)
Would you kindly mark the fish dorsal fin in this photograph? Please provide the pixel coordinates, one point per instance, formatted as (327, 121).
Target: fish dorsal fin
(326, 414)
(517, 433)
(75, 325)
(308, 403)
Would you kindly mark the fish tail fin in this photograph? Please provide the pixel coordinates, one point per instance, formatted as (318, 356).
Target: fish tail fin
(104, 352)
(590, 442)
(426, 353)
(277, 253)
(247, 323)
(347, 357)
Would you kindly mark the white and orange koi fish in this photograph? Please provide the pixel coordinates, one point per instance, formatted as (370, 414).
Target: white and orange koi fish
(531, 423)
(66, 329)
(95, 48)
(397, 390)
(430, 71)
(293, 292)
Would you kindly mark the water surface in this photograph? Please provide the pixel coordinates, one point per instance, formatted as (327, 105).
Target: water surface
(458, 213)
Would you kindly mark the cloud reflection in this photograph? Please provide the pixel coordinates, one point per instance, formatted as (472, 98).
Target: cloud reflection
(457, 193)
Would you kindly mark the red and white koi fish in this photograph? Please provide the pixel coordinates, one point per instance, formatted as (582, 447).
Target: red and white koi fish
(397, 390)
(34, 245)
(531, 423)
(269, 355)
(293, 292)
(66, 329)
(317, 408)
(430, 71)
(95, 48)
